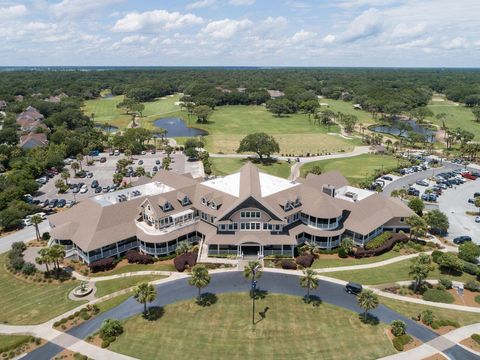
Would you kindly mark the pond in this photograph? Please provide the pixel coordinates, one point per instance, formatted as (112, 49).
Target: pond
(402, 127)
(111, 129)
(176, 127)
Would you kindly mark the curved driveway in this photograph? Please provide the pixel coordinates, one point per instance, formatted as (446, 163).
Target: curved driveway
(234, 281)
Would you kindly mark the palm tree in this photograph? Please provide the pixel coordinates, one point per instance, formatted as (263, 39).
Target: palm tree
(140, 171)
(200, 277)
(183, 247)
(145, 293)
(309, 281)
(367, 300)
(420, 268)
(65, 176)
(310, 247)
(57, 254)
(80, 159)
(253, 270)
(44, 258)
(36, 220)
(75, 167)
(128, 154)
(418, 226)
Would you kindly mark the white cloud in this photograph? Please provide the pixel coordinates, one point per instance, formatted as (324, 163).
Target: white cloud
(329, 39)
(404, 31)
(13, 11)
(149, 20)
(226, 28)
(365, 25)
(129, 40)
(201, 4)
(79, 7)
(456, 43)
(302, 36)
(242, 2)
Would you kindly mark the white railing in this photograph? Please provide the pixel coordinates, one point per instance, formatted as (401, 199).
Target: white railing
(150, 230)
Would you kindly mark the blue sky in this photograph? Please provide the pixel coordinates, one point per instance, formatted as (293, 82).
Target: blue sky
(410, 33)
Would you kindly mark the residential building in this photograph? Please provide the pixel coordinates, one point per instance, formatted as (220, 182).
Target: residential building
(30, 120)
(3, 105)
(33, 140)
(248, 213)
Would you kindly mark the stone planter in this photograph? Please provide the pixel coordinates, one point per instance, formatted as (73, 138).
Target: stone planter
(79, 292)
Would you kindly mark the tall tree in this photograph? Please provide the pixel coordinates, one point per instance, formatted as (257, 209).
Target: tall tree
(309, 281)
(200, 277)
(367, 300)
(262, 144)
(418, 226)
(145, 293)
(420, 268)
(36, 220)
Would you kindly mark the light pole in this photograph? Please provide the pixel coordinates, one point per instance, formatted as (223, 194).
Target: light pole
(254, 288)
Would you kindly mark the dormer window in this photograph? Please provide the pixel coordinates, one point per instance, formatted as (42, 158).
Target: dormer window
(185, 201)
(204, 201)
(288, 205)
(213, 205)
(297, 202)
(167, 206)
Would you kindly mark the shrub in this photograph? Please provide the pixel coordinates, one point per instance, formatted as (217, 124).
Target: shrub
(110, 328)
(443, 322)
(469, 251)
(29, 268)
(102, 265)
(477, 299)
(181, 261)
(398, 327)
(476, 338)
(470, 268)
(428, 317)
(472, 285)
(305, 260)
(387, 246)
(446, 283)
(134, 257)
(78, 356)
(342, 253)
(436, 254)
(17, 263)
(105, 344)
(46, 236)
(19, 247)
(288, 265)
(438, 295)
(400, 341)
(378, 241)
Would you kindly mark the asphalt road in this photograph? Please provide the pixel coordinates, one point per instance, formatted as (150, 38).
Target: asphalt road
(235, 282)
(23, 235)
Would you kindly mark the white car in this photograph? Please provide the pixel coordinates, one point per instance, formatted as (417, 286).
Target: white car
(41, 214)
(84, 189)
(477, 219)
(26, 222)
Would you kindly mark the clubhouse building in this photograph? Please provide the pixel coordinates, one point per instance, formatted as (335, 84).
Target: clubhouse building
(248, 213)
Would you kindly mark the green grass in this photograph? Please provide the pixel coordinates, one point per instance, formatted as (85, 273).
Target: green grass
(411, 309)
(136, 267)
(291, 330)
(346, 107)
(32, 303)
(356, 168)
(392, 273)
(226, 166)
(110, 286)
(9, 342)
(113, 302)
(336, 262)
(106, 111)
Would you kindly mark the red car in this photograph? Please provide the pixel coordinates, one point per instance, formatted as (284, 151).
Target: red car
(468, 175)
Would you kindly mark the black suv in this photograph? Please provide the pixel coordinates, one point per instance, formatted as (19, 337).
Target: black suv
(461, 239)
(353, 288)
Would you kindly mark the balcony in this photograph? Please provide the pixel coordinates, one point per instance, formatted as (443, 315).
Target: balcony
(151, 230)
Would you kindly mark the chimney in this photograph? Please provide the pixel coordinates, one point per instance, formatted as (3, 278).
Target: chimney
(329, 190)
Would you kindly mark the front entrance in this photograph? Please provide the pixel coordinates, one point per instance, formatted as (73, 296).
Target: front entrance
(250, 250)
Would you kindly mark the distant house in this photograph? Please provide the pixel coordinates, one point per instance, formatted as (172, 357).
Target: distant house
(380, 149)
(19, 98)
(33, 140)
(241, 89)
(53, 99)
(3, 105)
(275, 93)
(357, 107)
(223, 90)
(30, 120)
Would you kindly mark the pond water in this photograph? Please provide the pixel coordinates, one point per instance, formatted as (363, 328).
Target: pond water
(176, 127)
(394, 129)
(111, 129)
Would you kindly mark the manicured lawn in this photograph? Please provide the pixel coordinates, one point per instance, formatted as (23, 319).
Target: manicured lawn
(226, 166)
(392, 273)
(12, 341)
(457, 115)
(110, 286)
(136, 267)
(323, 262)
(346, 107)
(23, 302)
(356, 168)
(410, 309)
(291, 330)
(106, 111)
(114, 302)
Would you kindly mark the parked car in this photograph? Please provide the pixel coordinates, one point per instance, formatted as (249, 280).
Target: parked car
(471, 201)
(422, 182)
(45, 203)
(98, 189)
(75, 189)
(429, 197)
(53, 203)
(155, 168)
(94, 184)
(103, 159)
(83, 189)
(140, 162)
(469, 176)
(42, 180)
(157, 162)
(111, 153)
(353, 288)
(61, 203)
(116, 152)
(477, 219)
(461, 239)
(89, 174)
(143, 152)
(477, 194)
(153, 151)
(106, 189)
(26, 222)
(413, 192)
(388, 178)
(70, 203)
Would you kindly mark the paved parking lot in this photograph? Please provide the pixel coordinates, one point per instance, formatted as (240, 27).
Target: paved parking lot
(454, 203)
(103, 173)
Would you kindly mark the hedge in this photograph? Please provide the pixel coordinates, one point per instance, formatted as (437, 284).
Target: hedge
(134, 257)
(438, 295)
(102, 265)
(400, 341)
(472, 285)
(386, 246)
(181, 261)
(476, 338)
(378, 241)
(305, 260)
(288, 265)
(436, 324)
(470, 268)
